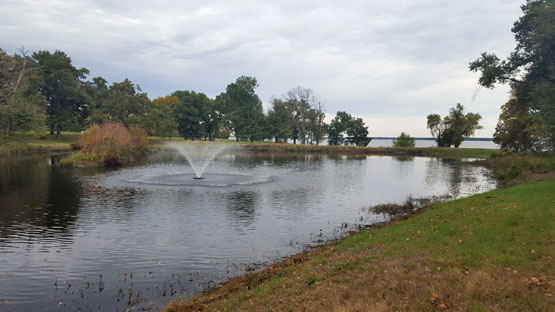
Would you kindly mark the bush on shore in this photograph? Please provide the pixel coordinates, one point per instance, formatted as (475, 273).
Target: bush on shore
(110, 144)
(404, 140)
(514, 168)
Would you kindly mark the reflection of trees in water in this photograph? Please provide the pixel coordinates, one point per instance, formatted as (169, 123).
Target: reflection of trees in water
(458, 173)
(241, 206)
(277, 160)
(349, 157)
(35, 193)
(403, 158)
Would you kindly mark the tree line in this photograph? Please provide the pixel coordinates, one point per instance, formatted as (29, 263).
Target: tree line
(46, 91)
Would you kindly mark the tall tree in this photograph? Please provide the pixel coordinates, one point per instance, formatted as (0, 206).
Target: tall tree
(279, 121)
(21, 107)
(319, 126)
(159, 118)
(338, 127)
(513, 130)
(126, 103)
(300, 101)
(357, 132)
(453, 128)
(62, 88)
(198, 116)
(190, 114)
(437, 129)
(530, 71)
(243, 108)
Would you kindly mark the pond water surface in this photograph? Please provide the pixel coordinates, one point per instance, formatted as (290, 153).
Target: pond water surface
(97, 239)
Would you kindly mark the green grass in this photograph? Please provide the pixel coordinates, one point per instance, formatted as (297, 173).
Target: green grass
(33, 143)
(492, 251)
(498, 228)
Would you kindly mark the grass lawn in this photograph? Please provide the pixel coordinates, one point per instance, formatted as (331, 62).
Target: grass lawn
(27, 143)
(489, 252)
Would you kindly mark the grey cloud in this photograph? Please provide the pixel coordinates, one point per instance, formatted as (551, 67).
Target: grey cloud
(403, 58)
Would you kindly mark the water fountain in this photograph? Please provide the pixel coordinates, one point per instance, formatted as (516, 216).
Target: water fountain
(199, 155)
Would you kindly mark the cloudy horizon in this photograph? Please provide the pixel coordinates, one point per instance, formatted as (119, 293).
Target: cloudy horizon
(392, 64)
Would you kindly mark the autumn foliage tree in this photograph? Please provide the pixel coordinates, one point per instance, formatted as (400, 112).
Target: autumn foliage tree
(112, 143)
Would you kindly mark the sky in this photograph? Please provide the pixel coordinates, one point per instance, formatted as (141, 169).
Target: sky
(389, 62)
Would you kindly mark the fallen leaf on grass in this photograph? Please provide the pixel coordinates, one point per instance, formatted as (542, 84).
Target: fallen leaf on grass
(534, 281)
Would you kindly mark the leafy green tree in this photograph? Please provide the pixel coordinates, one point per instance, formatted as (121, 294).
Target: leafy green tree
(159, 118)
(126, 103)
(243, 108)
(337, 128)
(316, 127)
(345, 129)
(190, 114)
(461, 125)
(530, 71)
(513, 130)
(357, 133)
(300, 102)
(198, 116)
(453, 128)
(21, 106)
(437, 129)
(213, 119)
(97, 93)
(279, 123)
(404, 140)
(62, 88)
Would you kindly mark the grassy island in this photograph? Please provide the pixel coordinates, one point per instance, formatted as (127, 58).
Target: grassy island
(489, 252)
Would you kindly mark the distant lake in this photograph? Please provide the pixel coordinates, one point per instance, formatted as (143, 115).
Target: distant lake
(388, 142)
(487, 144)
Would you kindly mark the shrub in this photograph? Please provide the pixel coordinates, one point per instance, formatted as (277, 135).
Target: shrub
(112, 143)
(404, 140)
(519, 166)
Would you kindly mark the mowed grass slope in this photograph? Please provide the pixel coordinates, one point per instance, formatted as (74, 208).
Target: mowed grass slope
(489, 252)
(27, 143)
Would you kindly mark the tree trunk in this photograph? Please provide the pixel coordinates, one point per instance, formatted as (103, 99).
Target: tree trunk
(58, 131)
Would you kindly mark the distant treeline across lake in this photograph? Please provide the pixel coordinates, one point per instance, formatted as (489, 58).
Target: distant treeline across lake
(428, 142)
(486, 143)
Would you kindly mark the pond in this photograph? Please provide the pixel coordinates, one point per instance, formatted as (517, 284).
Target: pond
(97, 239)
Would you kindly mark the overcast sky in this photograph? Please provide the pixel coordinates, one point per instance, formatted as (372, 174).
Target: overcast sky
(390, 62)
